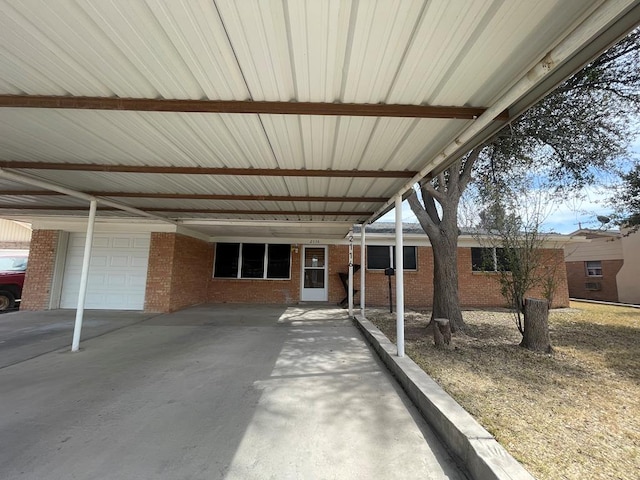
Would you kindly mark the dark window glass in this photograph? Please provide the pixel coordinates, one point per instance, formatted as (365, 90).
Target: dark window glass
(278, 261)
(503, 259)
(252, 260)
(409, 259)
(378, 257)
(227, 260)
(482, 259)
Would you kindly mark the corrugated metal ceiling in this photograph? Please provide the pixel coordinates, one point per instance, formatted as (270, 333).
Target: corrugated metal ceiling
(417, 52)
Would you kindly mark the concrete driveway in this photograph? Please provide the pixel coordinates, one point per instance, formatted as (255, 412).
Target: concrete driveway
(211, 392)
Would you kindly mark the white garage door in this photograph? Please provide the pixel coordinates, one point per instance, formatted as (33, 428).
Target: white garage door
(117, 275)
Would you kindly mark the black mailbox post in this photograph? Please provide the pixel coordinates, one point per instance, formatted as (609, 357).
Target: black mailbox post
(389, 272)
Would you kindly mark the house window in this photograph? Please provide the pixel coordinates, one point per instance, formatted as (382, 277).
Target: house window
(594, 269)
(381, 257)
(489, 259)
(252, 260)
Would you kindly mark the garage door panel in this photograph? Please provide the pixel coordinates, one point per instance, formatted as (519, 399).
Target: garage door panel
(117, 273)
(98, 241)
(119, 261)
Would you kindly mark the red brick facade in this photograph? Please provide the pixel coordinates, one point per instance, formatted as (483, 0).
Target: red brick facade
(608, 287)
(180, 274)
(40, 270)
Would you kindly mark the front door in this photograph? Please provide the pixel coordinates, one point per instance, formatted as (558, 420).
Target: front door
(314, 274)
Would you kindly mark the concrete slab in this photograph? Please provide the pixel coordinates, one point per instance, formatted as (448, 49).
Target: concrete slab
(25, 335)
(227, 392)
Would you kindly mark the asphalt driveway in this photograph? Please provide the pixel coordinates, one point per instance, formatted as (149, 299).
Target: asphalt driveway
(215, 392)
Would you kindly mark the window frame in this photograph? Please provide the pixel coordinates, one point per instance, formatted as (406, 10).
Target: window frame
(265, 271)
(392, 257)
(588, 269)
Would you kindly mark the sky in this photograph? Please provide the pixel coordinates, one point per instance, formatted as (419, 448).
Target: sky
(565, 218)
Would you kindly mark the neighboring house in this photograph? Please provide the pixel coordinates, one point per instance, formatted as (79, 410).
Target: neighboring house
(606, 268)
(14, 235)
(162, 271)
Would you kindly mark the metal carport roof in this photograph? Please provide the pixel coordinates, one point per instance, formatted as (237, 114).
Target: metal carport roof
(298, 114)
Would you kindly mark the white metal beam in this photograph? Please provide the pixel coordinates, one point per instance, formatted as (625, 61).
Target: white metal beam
(363, 267)
(399, 267)
(350, 288)
(84, 276)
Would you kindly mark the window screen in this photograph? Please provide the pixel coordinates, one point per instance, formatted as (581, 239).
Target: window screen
(378, 257)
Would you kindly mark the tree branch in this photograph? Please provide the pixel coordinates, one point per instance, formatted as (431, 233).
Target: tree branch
(437, 194)
(420, 212)
(465, 176)
(430, 206)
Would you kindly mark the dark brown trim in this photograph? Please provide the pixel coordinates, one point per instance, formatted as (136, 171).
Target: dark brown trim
(262, 172)
(196, 196)
(74, 208)
(226, 106)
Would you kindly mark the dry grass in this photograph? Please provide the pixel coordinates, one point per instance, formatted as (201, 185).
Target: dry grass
(574, 414)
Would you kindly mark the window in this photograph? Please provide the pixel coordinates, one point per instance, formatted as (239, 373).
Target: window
(252, 260)
(594, 269)
(489, 259)
(381, 257)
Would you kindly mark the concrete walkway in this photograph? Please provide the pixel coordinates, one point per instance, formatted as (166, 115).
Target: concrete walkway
(212, 392)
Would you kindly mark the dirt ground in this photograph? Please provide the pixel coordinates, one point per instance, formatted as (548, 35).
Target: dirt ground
(573, 414)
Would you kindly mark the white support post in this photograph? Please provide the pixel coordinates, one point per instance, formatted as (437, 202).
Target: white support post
(350, 289)
(82, 293)
(399, 271)
(363, 267)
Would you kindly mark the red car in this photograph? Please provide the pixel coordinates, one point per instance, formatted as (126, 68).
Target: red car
(12, 270)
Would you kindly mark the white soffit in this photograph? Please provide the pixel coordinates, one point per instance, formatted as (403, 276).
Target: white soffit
(412, 52)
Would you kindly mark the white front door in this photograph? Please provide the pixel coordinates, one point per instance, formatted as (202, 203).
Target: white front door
(314, 274)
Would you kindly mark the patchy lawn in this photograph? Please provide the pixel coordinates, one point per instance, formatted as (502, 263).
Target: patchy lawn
(574, 414)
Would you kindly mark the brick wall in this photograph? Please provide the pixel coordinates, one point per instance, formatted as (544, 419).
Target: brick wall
(192, 270)
(577, 277)
(40, 269)
(179, 272)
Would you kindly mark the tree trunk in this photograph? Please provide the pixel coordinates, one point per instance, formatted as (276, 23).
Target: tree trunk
(536, 326)
(445, 282)
(441, 332)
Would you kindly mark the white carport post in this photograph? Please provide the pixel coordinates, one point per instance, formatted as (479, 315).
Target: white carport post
(350, 287)
(362, 267)
(399, 271)
(75, 345)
